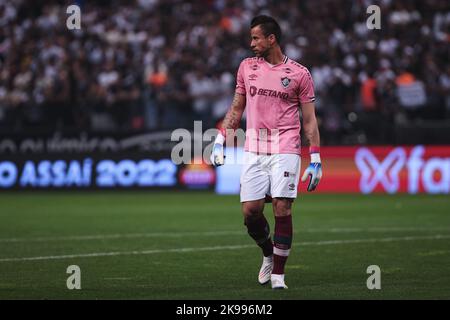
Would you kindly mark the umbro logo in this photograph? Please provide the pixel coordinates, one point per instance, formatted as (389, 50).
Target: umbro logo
(253, 76)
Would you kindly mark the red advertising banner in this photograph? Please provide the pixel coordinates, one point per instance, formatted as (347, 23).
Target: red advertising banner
(387, 169)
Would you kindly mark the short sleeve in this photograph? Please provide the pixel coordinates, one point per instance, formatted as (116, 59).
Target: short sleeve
(306, 90)
(240, 83)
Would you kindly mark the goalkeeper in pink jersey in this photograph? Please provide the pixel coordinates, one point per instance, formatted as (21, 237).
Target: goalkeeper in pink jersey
(272, 87)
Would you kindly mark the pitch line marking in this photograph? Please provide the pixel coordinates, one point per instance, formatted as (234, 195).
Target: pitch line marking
(210, 233)
(230, 247)
(124, 235)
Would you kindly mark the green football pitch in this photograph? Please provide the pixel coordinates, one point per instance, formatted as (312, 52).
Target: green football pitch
(169, 245)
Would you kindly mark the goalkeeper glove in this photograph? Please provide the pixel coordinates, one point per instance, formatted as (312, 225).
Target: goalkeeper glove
(314, 170)
(217, 157)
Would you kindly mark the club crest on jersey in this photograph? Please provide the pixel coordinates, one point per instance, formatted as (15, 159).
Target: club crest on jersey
(285, 82)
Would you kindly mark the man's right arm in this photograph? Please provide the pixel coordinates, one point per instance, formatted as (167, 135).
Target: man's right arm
(231, 122)
(234, 115)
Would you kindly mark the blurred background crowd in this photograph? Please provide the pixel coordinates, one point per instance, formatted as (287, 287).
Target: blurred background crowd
(160, 64)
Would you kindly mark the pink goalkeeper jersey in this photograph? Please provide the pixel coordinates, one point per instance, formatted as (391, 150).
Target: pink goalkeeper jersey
(273, 96)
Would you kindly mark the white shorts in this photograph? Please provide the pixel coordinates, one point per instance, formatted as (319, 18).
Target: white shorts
(276, 175)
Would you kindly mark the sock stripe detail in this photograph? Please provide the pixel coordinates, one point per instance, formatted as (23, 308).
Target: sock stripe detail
(281, 252)
(282, 240)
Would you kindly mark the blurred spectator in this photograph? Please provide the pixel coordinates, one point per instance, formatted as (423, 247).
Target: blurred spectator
(368, 94)
(444, 83)
(411, 94)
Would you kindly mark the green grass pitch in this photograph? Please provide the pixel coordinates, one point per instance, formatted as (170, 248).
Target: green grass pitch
(169, 245)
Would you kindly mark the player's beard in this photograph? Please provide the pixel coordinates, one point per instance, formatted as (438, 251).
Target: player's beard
(262, 54)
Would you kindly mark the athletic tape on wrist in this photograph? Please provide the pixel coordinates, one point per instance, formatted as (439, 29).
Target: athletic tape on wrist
(315, 157)
(314, 152)
(220, 138)
(223, 132)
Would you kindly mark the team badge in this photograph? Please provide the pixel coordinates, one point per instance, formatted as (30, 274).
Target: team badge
(285, 82)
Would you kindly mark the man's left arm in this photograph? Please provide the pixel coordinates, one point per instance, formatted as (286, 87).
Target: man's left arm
(311, 132)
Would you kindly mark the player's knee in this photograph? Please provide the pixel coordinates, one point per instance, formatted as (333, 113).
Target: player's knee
(251, 211)
(282, 206)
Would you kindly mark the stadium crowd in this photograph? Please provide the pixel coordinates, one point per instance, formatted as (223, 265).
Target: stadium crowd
(161, 64)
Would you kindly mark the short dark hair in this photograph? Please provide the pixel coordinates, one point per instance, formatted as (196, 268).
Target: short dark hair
(268, 26)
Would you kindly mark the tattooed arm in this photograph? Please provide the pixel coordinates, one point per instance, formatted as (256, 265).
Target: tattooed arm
(234, 115)
(310, 128)
(231, 121)
(311, 131)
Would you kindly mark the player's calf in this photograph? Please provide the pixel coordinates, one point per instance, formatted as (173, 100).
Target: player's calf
(282, 243)
(259, 230)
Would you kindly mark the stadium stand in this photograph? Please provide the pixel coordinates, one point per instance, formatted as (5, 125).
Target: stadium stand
(152, 65)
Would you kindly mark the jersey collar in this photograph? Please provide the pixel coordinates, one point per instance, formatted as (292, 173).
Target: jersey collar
(263, 61)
